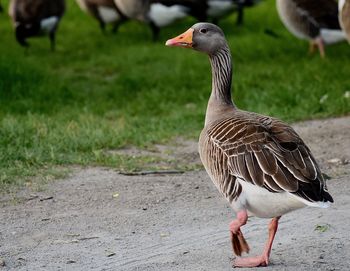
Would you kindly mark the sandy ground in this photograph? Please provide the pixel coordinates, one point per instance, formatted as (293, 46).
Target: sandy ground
(172, 222)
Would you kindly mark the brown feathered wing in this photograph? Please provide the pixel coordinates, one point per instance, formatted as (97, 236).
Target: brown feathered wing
(270, 154)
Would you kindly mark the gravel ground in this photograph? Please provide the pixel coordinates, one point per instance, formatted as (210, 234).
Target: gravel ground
(98, 219)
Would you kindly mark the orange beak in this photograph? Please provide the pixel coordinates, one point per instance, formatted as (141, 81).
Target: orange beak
(183, 40)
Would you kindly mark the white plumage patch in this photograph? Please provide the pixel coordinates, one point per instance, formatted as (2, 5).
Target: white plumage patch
(163, 15)
(262, 203)
(330, 36)
(108, 15)
(48, 24)
(219, 8)
(317, 204)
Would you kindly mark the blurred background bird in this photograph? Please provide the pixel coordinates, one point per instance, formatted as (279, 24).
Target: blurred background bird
(35, 18)
(154, 13)
(344, 17)
(218, 9)
(104, 11)
(161, 13)
(211, 9)
(316, 21)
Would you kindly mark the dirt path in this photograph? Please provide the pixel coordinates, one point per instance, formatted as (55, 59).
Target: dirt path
(174, 222)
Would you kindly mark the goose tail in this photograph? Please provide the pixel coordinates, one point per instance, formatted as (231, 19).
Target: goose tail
(331, 36)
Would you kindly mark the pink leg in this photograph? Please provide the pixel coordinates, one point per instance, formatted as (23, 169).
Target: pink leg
(312, 47)
(239, 244)
(263, 259)
(320, 45)
(317, 43)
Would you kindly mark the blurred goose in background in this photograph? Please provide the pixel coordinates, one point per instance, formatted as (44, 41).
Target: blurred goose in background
(35, 18)
(134, 9)
(316, 21)
(104, 11)
(166, 12)
(258, 163)
(137, 10)
(203, 10)
(221, 8)
(163, 13)
(344, 17)
(153, 13)
(195, 8)
(160, 13)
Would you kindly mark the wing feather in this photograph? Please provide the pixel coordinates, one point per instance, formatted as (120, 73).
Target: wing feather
(268, 153)
(254, 170)
(270, 184)
(321, 12)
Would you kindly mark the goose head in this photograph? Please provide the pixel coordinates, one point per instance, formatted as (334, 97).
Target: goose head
(204, 37)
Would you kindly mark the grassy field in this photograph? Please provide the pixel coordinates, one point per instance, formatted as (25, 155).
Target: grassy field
(97, 93)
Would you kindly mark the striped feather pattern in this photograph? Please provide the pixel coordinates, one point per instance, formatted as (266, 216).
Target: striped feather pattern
(258, 163)
(222, 78)
(263, 151)
(236, 145)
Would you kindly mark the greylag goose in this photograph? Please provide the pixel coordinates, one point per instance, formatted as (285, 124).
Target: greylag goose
(163, 14)
(210, 9)
(138, 10)
(154, 13)
(316, 21)
(220, 8)
(194, 8)
(344, 17)
(258, 163)
(35, 18)
(104, 11)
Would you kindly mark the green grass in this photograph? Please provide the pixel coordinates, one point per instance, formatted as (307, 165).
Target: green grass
(97, 93)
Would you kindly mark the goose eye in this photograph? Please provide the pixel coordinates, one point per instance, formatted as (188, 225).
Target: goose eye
(203, 30)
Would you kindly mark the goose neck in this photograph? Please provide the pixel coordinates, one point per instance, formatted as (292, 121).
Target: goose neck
(221, 65)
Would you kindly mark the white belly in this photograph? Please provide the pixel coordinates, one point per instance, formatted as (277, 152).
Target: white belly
(163, 15)
(48, 24)
(108, 15)
(218, 8)
(330, 36)
(262, 203)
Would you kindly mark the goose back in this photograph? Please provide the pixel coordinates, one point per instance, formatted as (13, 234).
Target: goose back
(324, 12)
(262, 151)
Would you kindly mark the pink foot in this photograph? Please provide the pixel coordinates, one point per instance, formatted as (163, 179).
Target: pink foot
(251, 261)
